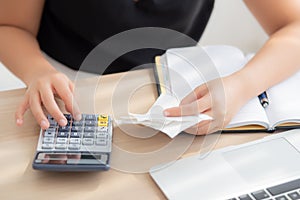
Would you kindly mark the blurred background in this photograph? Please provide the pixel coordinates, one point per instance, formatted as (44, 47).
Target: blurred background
(231, 23)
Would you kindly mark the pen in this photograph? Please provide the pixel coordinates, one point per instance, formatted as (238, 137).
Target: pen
(263, 99)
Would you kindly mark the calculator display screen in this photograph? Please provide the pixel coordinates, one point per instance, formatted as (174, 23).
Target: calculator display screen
(72, 158)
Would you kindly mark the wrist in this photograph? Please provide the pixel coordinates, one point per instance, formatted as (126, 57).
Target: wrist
(243, 88)
(253, 80)
(37, 69)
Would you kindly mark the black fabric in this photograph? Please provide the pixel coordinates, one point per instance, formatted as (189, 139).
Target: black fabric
(71, 29)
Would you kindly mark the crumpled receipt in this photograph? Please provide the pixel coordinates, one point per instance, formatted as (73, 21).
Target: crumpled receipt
(155, 118)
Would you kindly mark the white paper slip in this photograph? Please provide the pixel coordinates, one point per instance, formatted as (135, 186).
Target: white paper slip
(155, 118)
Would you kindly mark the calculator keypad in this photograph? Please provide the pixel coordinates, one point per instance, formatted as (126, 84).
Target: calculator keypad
(93, 132)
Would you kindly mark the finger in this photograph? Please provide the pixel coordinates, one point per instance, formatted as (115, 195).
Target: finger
(217, 122)
(66, 94)
(76, 111)
(196, 94)
(50, 104)
(194, 108)
(37, 111)
(71, 86)
(206, 127)
(22, 108)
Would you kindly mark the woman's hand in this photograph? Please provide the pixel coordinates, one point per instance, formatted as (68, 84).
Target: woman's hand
(41, 93)
(221, 99)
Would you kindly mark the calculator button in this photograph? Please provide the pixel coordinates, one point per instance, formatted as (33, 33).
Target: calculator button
(47, 146)
(48, 140)
(49, 134)
(88, 141)
(89, 129)
(101, 142)
(90, 117)
(103, 123)
(74, 146)
(52, 123)
(61, 140)
(103, 118)
(75, 141)
(50, 117)
(102, 135)
(76, 129)
(75, 135)
(77, 123)
(88, 135)
(102, 129)
(90, 123)
(60, 146)
(68, 117)
(51, 129)
(62, 134)
(64, 129)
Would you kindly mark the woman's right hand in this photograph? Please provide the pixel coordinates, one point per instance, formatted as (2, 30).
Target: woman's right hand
(41, 93)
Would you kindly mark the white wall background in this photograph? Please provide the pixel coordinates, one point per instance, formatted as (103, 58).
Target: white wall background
(231, 24)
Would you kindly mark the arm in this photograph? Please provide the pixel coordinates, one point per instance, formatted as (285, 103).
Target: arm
(20, 52)
(278, 59)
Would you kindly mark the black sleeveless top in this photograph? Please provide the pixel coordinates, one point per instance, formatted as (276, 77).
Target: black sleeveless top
(70, 29)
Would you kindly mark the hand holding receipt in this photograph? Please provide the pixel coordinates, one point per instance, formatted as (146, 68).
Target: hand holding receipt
(258, 114)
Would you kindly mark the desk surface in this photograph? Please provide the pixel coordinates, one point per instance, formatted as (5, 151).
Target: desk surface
(111, 94)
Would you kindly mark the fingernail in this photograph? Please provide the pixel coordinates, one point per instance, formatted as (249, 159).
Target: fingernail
(78, 117)
(19, 122)
(166, 113)
(63, 122)
(44, 124)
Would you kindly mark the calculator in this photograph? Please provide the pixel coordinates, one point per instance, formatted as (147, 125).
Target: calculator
(83, 145)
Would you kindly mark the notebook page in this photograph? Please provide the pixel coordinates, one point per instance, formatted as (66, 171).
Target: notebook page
(193, 66)
(250, 114)
(284, 101)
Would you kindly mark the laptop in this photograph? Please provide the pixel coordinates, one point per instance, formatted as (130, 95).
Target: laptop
(268, 168)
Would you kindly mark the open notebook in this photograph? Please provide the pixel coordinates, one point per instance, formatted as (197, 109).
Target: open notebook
(184, 63)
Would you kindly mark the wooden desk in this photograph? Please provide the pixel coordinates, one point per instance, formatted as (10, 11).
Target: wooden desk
(17, 145)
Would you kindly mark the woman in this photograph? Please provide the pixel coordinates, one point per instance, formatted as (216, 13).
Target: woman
(67, 30)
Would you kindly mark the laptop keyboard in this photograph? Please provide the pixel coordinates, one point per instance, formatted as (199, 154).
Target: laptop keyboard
(284, 191)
